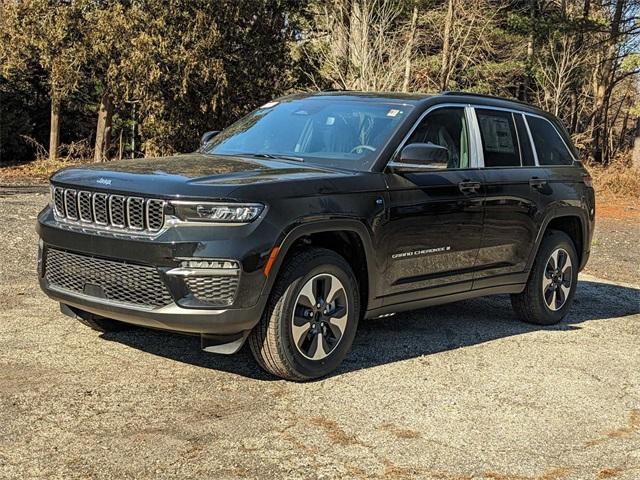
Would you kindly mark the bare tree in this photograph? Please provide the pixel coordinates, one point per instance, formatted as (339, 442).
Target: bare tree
(365, 48)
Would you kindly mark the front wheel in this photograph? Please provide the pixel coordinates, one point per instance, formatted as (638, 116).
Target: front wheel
(552, 283)
(311, 318)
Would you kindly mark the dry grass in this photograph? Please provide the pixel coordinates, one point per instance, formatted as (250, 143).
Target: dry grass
(619, 179)
(37, 171)
(40, 169)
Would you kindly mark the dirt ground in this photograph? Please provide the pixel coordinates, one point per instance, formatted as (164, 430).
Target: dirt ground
(462, 391)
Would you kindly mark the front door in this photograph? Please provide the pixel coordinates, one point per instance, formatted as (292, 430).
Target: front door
(434, 224)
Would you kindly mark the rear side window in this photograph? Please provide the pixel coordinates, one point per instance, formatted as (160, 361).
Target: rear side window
(550, 148)
(499, 138)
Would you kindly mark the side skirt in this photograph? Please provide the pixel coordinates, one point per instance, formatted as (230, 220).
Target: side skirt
(455, 297)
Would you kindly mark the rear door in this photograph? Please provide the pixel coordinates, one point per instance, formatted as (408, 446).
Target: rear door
(513, 201)
(434, 221)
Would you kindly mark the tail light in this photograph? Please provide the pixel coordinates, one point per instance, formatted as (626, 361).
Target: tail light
(586, 178)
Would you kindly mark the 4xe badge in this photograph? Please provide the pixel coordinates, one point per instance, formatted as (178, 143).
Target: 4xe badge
(104, 181)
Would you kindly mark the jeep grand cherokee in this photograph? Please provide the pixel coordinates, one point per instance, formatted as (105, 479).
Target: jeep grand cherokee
(317, 211)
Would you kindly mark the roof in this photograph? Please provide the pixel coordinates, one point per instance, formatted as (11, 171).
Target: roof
(416, 98)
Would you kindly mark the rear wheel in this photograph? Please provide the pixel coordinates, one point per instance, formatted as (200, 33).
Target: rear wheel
(311, 319)
(552, 283)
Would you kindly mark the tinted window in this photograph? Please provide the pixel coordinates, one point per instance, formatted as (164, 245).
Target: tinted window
(446, 127)
(550, 148)
(344, 133)
(525, 144)
(499, 138)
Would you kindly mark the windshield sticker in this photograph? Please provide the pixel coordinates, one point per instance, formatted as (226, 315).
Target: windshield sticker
(269, 104)
(331, 120)
(393, 112)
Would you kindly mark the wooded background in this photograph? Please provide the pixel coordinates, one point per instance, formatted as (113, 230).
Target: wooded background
(103, 79)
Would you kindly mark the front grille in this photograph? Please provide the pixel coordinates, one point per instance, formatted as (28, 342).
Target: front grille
(112, 280)
(213, 290)
(105, 210)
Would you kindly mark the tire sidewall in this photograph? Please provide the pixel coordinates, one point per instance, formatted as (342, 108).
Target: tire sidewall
(326, 264)
(552, 242)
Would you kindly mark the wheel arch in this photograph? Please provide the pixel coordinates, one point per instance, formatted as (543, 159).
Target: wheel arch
(347, 237)
(574, 224)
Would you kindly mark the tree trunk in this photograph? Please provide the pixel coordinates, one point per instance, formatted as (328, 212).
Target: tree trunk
(105, 112)
(412, 37)
(603, 87)
(530, 51)
(635, 158)
(54, 132)
(342, 30)
(446, 48)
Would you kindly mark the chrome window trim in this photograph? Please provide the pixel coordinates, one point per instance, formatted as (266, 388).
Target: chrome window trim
(525, 115)
(534, 149)
(473, 158)
(477, 137)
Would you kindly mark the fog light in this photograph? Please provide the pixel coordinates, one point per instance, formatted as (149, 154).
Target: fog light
(225, 264)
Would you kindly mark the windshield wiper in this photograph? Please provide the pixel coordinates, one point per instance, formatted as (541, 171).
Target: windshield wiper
(275, 156)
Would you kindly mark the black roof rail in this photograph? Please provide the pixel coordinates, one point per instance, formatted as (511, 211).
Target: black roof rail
(484, 95)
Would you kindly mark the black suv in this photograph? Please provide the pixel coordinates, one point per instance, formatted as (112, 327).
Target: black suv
(316, 211)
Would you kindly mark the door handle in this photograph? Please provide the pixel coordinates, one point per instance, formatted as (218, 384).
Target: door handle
(536, 182)
(469, 187)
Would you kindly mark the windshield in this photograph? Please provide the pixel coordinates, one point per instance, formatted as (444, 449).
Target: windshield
(338, 133)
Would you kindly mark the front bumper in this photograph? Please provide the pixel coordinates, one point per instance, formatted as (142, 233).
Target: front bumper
(183, 313)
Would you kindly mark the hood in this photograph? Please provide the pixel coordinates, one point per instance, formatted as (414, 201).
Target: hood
(188, 175)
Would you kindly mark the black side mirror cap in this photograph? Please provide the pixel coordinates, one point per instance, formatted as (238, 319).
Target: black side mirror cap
(424, 154)
(207, 136)
(420, 157)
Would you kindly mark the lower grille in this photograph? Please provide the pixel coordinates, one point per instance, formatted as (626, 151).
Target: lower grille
(213, 290)
(108, 279)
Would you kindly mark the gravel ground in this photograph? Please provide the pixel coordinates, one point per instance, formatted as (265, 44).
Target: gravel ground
(454, 392)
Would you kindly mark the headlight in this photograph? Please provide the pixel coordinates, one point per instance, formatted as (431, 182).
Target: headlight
(217, 212)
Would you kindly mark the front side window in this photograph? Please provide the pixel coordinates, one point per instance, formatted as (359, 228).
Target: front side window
(446, 127)
(333, 132)
(499, 138)
(550, 148)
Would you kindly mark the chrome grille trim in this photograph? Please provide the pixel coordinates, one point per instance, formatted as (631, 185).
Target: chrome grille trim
(71, 204)
(108, 211)
(58, 201)
(135, 213)
(116, 211)
(84, 207)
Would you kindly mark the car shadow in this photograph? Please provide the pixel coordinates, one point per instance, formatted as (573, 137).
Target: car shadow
(407, 335)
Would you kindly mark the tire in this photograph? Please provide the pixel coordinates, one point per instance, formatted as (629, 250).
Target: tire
(273, 341)
(103, 325)
(550, 307)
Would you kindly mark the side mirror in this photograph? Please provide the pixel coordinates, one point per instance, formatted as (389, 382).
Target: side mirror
(425, 154)
(207, 136)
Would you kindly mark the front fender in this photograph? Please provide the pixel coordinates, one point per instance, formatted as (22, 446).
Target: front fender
(308, 227)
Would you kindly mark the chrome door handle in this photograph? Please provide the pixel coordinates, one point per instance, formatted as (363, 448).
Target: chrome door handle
(536, 182)
(469, 187)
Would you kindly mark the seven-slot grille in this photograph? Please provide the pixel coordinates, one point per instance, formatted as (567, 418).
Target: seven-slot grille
(113, 280)
(109, 210)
